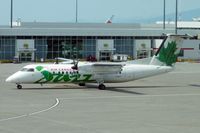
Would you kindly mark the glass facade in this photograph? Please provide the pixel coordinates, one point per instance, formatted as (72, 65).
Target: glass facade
(50, 47)
(7, 47)
(67, 47)
(89, 47)
(124, 45)
(41, 48)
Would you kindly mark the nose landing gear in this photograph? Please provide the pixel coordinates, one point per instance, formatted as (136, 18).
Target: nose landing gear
(19, 86)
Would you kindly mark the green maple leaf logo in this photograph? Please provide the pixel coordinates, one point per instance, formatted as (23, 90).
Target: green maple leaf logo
(47, 75)
(168, 55)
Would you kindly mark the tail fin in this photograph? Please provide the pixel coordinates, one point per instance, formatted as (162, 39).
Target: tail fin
(169, 50)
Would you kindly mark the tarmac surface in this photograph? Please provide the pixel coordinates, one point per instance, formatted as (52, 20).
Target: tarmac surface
(168, 103)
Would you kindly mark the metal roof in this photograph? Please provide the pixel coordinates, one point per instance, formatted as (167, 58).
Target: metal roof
(88, 29)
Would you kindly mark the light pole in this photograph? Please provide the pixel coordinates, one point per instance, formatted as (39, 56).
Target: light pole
(76, 11)
(176, 17)
(11, 13)
(164, 2)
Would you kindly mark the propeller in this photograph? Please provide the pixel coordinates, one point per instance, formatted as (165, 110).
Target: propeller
(75, 62)
(68, 61)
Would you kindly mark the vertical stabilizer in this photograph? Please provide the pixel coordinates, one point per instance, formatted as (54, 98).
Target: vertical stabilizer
(169, 50)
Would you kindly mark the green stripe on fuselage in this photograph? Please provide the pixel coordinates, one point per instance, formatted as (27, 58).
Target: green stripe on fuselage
(71, 78)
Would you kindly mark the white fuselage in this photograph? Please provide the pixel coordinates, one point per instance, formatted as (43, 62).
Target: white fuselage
(63, 73)
(134, 72)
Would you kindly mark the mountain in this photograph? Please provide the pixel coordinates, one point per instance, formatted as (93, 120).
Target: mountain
(183, 16)
(188, 15)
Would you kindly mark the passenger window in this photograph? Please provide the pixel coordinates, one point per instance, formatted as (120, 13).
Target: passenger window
(30, 70)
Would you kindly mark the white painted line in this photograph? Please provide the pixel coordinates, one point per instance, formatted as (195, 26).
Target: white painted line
(141, 96)
(85, 98)
(11, 118)
(45, 110)
(31, 114)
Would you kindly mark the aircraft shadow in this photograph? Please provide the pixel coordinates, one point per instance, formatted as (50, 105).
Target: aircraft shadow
(115, 89)
(90, 87)
(120, 89)
(142, 87)
(61, 87)
(194, 85)
(46, 88)
(124, 91)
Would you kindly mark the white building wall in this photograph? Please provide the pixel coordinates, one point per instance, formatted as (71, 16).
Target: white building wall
(104, 45)
(25, 45)
(143, 45)
(191, 49)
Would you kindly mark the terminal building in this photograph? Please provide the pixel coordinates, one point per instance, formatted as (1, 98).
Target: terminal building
(31, 41)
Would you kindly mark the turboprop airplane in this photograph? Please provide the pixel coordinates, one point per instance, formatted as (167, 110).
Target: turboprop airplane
(101, 72)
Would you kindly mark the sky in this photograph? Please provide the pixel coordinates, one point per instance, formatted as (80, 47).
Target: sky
(92, 11)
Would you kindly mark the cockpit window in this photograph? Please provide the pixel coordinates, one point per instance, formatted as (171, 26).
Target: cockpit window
(27, 70)
(23, 69)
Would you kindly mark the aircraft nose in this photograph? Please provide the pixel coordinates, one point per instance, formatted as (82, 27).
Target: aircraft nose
(11, 79)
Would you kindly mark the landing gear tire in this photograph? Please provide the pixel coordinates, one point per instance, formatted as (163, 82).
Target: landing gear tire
(102, 87)
(81, 84)
(19, 87)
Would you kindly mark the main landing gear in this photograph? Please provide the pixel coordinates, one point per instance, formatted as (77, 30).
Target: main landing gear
(102, 87)
(81, 84)
(19, 86)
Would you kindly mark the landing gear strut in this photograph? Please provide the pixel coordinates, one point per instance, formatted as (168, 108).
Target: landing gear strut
(19, 86)
(102, 87)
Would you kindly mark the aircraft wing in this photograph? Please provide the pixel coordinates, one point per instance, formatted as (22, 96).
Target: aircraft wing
(99, 69)
(65, 61)
(106, 68)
